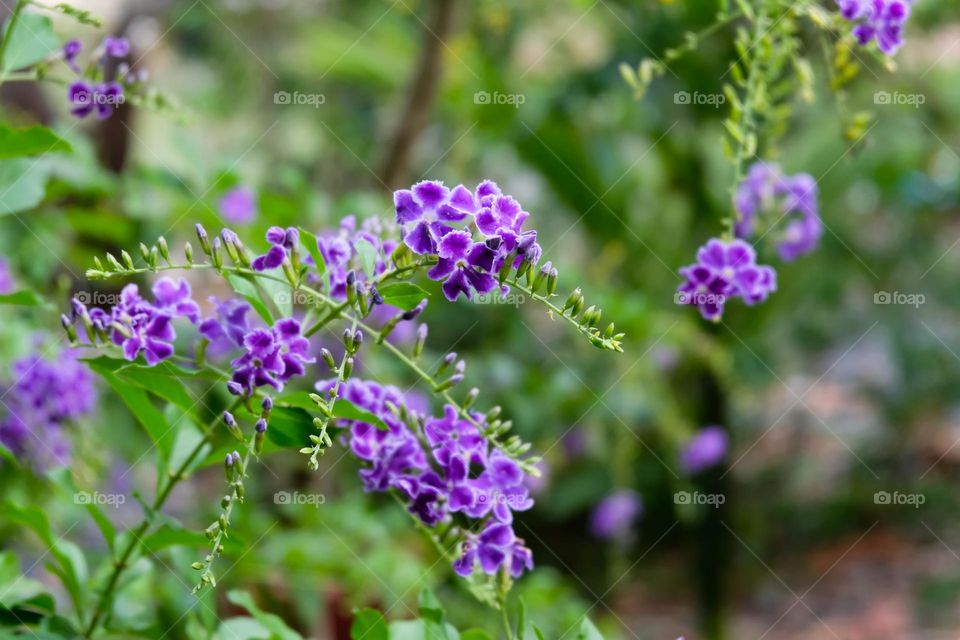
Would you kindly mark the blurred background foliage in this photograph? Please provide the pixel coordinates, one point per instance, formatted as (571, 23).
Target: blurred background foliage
(828, 397)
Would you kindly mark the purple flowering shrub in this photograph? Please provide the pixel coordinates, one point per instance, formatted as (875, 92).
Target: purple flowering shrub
(768, 75)
(457, 471)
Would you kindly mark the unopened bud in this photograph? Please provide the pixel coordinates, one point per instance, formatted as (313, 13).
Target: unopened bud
(203, 238)
(421, 340)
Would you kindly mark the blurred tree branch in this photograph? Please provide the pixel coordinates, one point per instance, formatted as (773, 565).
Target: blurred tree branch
(420, 97)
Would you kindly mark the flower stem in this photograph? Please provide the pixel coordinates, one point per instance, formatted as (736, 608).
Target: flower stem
(136, 538)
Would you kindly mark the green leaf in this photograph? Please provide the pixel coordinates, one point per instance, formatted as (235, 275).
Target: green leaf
(62, 478)
(587, 631)
(434, 617)
(140, 406)
(537, 632)
(405, 295)
(475, 634)
(273, 623)
(368, 257)
(369, 625)
(31, 41)
(23, 183)
(348, 411)
(313, 249)
(23, 298)
(249, 291)
(29, 142)
(289, 427)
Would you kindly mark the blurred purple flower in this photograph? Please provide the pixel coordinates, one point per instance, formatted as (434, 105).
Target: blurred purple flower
(725, 270)
(7, 284)
(613, 517)
(238, 205)
(70, 52)
(42, 397)
(704, 450)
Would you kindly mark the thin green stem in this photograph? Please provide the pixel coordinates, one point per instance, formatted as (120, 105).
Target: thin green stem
(11, 25)
(136, 538)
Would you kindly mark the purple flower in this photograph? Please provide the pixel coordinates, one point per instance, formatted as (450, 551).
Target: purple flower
(101, 99)
(7, 284)
(613, 518)
(880, 20)
(426, 208)
(464, 266)
(725, 270)
(704, 450)
(116, 46)
(282, 243)
(174, 298)
(495, 546)
(238, 205)
(451, 469)
(226, 331)
(763, 189)
(70, 52)
(273, 356)
(42, 398)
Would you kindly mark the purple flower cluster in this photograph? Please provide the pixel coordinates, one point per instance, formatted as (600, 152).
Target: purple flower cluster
(138, 325)
(341, 253)
(725, 270)
(794, 197)
(450, 468)
(272, 356)
(470, 233)
(93, 93)
(880, 20)
(42, 397)
(613, 517)
(704, 450)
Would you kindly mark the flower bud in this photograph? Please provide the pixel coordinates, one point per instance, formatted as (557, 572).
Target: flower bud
(416, 311)
(68, 327)
(448, 360)
(164, 249)
(572, 299)
(375, 297)
(552, 281)
(145, 253)
(113, 262)
(228, 241)
(471, 398)
(235, 388)
(188, 252)
(421, 340)
(231, 423)
(328, 358)
(127, 260)
(215, 256)
(203, 238)
(351, 287)
(348, 340)
(449, 383)
(261, 426)
(347, 368)
(267, 406)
